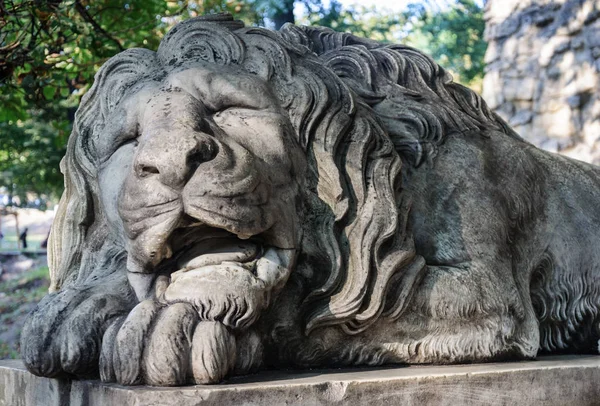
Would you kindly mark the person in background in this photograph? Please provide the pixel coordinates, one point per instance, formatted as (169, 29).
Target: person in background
(23, 238)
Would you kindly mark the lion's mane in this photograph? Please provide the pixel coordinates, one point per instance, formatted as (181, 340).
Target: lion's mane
(414, 97)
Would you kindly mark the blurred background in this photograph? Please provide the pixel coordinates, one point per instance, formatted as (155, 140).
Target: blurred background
(536, 62)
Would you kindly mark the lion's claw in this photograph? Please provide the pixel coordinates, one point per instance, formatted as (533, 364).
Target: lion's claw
(63, 333)
(167, 353)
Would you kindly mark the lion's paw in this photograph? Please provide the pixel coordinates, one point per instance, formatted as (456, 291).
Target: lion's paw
(63, 332)
(166, 345)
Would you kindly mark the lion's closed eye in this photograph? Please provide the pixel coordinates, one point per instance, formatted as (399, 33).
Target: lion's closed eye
(122, 140)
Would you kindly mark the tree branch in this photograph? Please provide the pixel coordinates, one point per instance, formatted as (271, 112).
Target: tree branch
(87, 17)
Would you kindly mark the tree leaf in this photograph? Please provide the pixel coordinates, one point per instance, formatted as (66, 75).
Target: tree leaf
(49, 92)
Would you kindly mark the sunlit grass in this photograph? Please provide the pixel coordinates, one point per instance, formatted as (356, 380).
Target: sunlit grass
(17, 296)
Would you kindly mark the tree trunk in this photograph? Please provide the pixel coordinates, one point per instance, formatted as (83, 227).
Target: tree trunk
(284, 14)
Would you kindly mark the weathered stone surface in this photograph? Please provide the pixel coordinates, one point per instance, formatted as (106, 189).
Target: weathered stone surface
(521, 118)
(549, 381)
(21, 388)
(242, 199)
(519, 89)
(556, 46)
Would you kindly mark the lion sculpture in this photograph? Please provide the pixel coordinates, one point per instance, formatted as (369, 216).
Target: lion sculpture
(245, 199)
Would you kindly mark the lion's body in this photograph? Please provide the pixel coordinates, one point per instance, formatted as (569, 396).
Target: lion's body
(507, 256)
(509, 245)
(243, 198)
(505, 261)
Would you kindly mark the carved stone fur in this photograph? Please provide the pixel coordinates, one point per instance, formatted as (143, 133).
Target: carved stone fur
(244, 198)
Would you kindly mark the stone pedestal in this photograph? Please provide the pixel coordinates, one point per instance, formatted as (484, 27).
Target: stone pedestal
(565, 380)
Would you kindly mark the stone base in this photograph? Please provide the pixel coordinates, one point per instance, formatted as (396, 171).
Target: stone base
(564, 380)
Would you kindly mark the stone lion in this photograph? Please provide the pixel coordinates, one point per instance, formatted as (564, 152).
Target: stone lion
(244, 199)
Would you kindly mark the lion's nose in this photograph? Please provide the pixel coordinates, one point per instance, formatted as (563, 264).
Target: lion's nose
(173, 156)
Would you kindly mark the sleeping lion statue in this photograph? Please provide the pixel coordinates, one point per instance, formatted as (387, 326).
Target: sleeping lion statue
(245, 199)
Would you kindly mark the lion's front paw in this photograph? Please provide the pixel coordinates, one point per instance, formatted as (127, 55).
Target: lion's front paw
(63, 333)
(166, 345)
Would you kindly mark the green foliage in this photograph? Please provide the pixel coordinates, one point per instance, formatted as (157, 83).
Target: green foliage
(278, 12)
(51, 49)
(453, 36)
(360, 20)
(31, 151)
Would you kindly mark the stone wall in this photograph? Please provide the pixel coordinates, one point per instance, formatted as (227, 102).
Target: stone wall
(543, 72)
